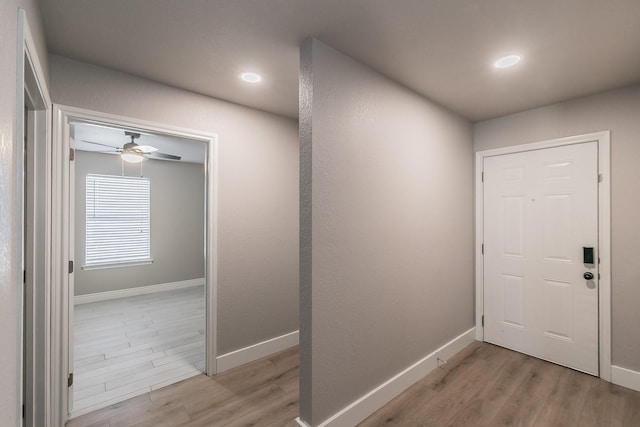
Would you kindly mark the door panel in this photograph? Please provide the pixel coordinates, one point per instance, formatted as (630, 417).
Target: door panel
(513, 300)
(540, 209)
(513, 226)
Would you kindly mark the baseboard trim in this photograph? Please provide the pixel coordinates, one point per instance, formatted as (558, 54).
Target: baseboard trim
(301, 423)
(625, 377)
(384, 393)
(256, 351)
(140, 290)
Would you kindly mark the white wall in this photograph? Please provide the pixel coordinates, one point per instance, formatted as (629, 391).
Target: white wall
(386, 229)
(257, 191)
(177, 224)
(619, 112)
(10, 370)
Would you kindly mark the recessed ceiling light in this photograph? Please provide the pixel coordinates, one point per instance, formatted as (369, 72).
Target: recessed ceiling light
(507, 61)
(251, 77)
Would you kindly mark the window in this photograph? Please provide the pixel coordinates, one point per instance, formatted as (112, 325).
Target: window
(118, 220)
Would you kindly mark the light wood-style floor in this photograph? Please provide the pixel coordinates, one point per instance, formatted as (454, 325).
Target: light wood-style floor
(261, 393)
(487, 385)
(129, 346)
(484, 385)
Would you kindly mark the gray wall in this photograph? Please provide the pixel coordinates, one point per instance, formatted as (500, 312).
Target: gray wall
(10, 286)
(619, 112)
(386, 229)
(257, 191)
(177, 224)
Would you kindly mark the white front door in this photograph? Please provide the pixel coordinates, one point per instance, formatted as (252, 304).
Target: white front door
(540, 212)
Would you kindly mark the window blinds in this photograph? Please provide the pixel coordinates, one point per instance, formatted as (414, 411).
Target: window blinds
(117, 219)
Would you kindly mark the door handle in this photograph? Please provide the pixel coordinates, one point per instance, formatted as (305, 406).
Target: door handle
(588, 275)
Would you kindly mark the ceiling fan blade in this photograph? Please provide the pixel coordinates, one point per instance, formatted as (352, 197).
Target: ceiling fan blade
(147, 148)
(99, 143)
(157, 155)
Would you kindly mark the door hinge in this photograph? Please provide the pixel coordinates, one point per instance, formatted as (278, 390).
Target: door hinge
(70, 267)
(599, 177)
(72, 154)
(482, 176)
(598, 276)
(24, 411)
(483, 320)
(70, 380)
(24, 277)
(482, 248)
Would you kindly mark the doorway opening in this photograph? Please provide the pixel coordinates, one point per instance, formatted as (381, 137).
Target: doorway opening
(138, 300)
(138, 282)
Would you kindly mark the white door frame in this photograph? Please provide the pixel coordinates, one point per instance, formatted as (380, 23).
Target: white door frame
(62, 118)
(604, 234)
(34, 247)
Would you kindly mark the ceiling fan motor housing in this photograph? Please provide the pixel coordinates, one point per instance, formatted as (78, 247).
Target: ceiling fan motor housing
(131, 146)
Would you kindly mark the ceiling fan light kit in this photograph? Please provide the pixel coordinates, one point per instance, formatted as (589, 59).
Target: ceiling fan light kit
(132, 156)
(130, 151)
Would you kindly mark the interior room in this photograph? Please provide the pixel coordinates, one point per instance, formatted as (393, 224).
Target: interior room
(139, 293)
(410, 213)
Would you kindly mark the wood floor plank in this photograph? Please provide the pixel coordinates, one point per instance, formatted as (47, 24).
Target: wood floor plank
(281, 415)
(79, 363)
(196, 388)
(226, 412)
(456, 386)
(174, 377)
(168, 417)
(605, 406)
(152, 376)
(241, 380)
(107, 373)
(524, 405)
(271, 410)
(109, 397)
(564, 406)
(105, 413)
(632, 409)
(89, 391)
(491, 397)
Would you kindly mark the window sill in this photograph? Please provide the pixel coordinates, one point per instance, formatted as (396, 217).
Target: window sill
(118, 264)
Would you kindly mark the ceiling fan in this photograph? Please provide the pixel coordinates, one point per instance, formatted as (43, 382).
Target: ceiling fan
(133, 153)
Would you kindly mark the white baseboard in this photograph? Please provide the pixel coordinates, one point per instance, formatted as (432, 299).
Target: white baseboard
(625, 377)
(140, 290)
(256, 351)
(384, 393)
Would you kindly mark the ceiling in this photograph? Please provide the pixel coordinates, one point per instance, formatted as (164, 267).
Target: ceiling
(85, 133)
(442, 49)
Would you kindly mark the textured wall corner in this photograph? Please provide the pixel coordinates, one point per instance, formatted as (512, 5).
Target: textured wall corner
(306, 127)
